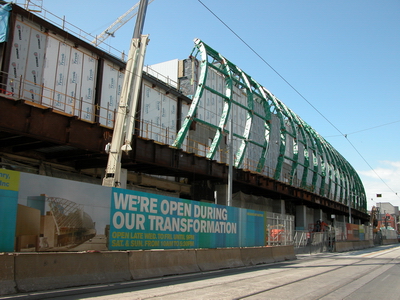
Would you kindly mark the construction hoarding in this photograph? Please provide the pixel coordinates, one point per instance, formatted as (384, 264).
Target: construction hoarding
(76, 216)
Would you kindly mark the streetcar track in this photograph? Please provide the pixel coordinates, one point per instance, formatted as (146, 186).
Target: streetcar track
(347, 283)
(357, 278)
(333, 257)
(292, 282)
(326, 272)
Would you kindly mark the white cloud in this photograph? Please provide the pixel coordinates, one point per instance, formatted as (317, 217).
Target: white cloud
(385, 180)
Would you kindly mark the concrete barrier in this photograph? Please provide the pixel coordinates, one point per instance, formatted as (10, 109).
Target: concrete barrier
(353, 245)
(358, 245)
(389, 241)
(29, 272)
(282, 253)
(7, 283)
(157, 263)
(215, 259)
(42, 271)
(256, 256)
(343, 246)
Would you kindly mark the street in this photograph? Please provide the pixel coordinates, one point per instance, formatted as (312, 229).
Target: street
(364, 274)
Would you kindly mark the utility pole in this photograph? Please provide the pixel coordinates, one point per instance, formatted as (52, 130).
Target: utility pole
(125, 119)
(230, 167)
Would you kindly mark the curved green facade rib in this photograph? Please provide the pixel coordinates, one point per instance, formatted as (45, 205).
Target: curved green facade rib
(269, 138)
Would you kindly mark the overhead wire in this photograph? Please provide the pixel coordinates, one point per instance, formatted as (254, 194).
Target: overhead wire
(297, 91)
(366, 129)
(384, 182)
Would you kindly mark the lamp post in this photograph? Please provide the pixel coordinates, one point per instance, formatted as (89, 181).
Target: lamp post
(230, 167)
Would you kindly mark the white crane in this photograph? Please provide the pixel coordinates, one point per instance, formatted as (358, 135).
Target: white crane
(125, 120)
(122, 20)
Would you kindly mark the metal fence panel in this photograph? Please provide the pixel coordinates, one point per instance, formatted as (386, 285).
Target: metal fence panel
(280, 229)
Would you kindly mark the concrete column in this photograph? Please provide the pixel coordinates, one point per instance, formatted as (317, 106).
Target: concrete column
(278, 206)
(341, 218)
(221, 194)
(301, 217)
(318, 214)
(283, 210)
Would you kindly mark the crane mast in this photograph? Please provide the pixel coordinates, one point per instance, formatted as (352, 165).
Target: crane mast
(125, 118)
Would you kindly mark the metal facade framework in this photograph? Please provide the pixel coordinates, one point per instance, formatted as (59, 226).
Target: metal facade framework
(270, 136)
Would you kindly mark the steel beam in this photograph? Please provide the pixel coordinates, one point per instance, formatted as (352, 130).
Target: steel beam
(87, 141)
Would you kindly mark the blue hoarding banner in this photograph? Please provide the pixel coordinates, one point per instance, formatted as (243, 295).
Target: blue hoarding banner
(147, 221)
(9, 185)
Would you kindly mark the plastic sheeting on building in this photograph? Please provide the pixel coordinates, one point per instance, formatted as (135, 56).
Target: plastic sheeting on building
(4, 15)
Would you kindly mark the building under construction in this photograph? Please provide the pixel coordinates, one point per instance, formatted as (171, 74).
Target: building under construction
(59, 97)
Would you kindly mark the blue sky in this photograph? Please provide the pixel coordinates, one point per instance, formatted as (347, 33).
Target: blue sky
(342, 56)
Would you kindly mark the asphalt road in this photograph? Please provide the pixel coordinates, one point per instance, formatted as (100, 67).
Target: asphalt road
(368, 274)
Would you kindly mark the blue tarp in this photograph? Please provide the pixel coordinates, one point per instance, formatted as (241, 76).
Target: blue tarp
(4, 15)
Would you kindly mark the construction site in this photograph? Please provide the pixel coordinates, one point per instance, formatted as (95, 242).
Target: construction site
(99, 152)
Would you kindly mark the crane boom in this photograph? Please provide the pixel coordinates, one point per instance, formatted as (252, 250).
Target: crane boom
(122, 20)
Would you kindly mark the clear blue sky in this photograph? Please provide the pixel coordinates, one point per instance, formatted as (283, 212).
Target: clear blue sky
(342, 56)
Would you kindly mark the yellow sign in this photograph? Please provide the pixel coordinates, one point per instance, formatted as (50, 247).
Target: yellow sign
(9, 180)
